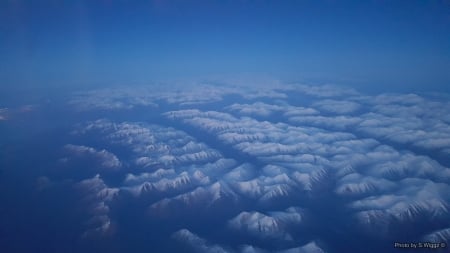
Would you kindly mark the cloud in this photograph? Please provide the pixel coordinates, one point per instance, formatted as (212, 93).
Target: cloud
(127, 98)
(264, 110)
(325, 90)
(300, 111)
(113, 99)
(337, 122)
(405, 99)
(198, 94)
(256, 109)
(337, 106)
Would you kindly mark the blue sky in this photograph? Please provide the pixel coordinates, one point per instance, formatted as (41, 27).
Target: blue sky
(403, 44)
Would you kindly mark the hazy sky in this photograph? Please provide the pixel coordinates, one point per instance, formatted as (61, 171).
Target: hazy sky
(391, 43)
